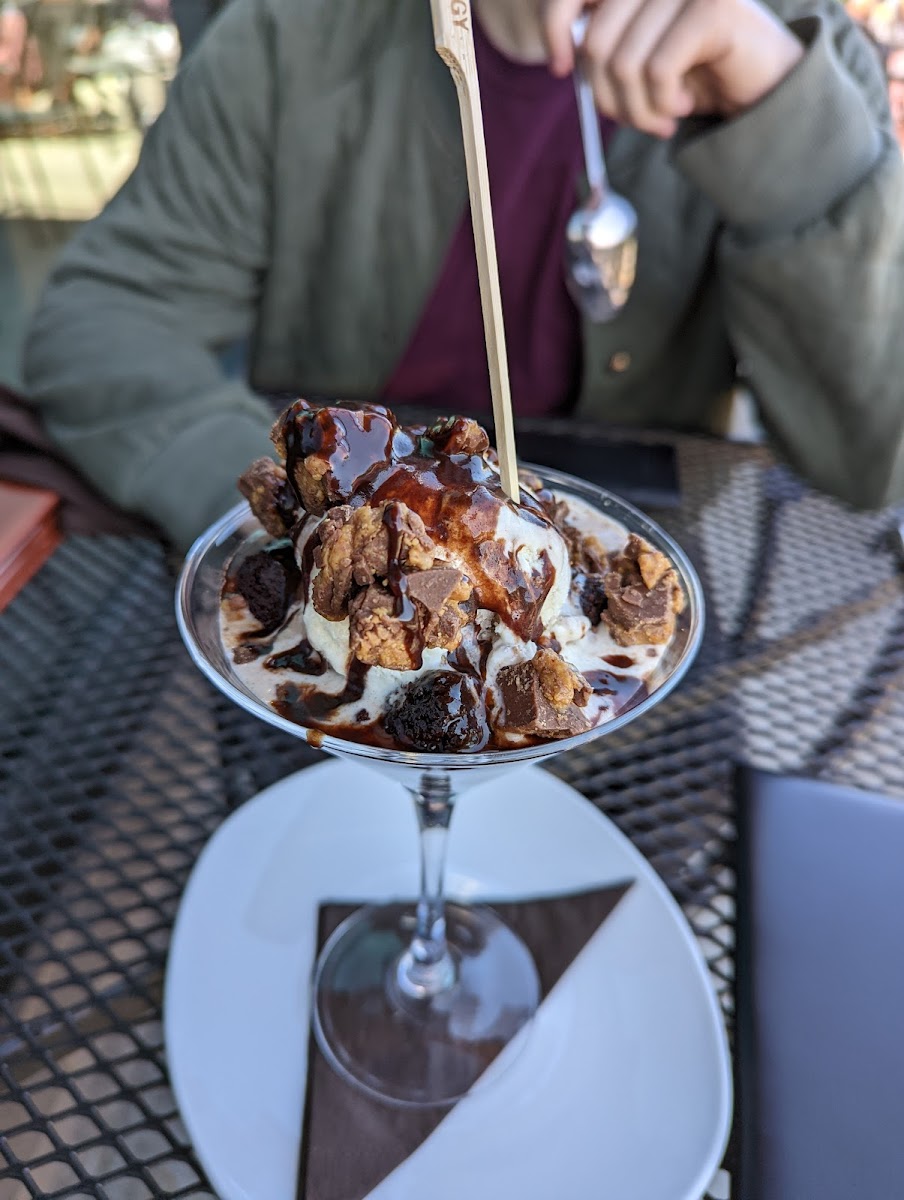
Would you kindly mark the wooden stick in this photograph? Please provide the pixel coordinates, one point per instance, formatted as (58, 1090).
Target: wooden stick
(454, 38)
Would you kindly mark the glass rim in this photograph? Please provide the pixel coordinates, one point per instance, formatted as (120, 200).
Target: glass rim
(597, 497)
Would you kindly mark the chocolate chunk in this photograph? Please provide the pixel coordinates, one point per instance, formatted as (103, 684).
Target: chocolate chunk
(387, 633)
(636, 612)
(266, 488)
(434, 587)
(440, 712)
(439, 595)
(593, 597)
(267, 581)
(505, 589)
(526, 709)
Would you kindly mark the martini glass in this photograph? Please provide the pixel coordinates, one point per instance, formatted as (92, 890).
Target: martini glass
(412, 1001)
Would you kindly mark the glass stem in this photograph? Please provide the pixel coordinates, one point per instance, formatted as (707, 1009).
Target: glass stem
(427, 967)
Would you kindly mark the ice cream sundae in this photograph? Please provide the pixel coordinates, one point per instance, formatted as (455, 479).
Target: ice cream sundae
(397, 596)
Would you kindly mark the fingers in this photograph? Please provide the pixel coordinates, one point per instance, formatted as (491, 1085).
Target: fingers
(623, 59)
(651, 62)
(604, 31)
(557, 17)
(676, 68)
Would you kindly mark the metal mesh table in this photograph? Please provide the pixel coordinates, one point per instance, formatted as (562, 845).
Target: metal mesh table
(118, 761)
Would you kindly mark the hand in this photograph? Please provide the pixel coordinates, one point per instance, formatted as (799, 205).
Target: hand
(652, 62)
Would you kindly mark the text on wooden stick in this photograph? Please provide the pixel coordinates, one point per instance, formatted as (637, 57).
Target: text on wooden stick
(460, 13)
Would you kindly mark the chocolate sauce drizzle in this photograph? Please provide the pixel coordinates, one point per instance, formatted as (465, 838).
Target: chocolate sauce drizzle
(307, 564)
(302, 658)
(471, 654)
(396, 577)
(351, 442)
(458, 498)
(304, 704)
(625, 690)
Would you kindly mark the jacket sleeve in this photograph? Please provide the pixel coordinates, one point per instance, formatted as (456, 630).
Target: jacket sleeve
(121, 356)
(809, 185)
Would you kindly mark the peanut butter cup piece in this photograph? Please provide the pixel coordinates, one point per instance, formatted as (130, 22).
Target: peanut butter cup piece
(354, 552)
(378, 637)
(585, 551)
(643, 595)
(329, 450)
(438, 595)
(458, 435)
(542, 698)
(266, 488)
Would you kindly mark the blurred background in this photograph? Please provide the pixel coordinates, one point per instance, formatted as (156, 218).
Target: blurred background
(81, 81)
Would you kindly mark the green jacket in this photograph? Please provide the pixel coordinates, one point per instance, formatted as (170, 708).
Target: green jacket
(304, 182)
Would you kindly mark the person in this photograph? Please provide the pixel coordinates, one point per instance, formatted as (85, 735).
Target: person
(305, 191)
(52, 23)
(191, 18)
(13, 37)
(894, 70)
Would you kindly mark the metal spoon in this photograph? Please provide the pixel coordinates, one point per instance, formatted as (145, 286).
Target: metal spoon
(601, 236)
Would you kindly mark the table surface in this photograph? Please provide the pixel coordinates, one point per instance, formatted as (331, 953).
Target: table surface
(118, 761)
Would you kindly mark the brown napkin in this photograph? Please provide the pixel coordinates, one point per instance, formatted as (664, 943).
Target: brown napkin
(334, 1166)
(27, 455)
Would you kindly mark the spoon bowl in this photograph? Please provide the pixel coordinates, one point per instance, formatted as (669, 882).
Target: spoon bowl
(601, 255)
(601, 236)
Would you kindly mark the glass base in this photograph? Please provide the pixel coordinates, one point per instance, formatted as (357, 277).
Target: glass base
(421, 1052)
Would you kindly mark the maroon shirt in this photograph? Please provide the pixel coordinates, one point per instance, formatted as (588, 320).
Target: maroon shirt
(535, 162)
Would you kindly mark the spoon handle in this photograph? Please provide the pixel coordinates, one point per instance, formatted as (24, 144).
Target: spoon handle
(589, 117)
(454, 37)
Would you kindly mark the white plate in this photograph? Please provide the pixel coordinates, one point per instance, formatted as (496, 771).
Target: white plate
(623, 1089)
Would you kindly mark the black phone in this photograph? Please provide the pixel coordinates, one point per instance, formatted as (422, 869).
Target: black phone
(645, 474)
(820, 990)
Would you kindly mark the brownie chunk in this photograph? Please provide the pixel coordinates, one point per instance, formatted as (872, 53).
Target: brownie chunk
(593, 597)
(266, 488)
(643, 595)
(268, 581)
(354, 552)
(329, 450)
(441, 712)
(543, 697)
